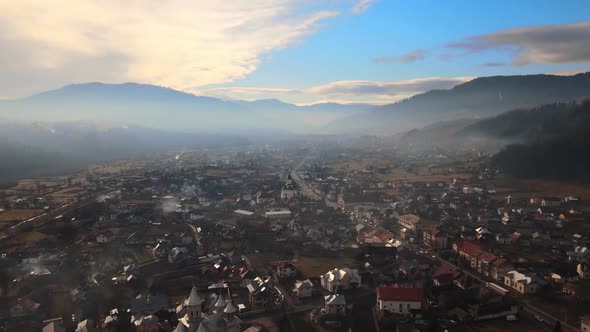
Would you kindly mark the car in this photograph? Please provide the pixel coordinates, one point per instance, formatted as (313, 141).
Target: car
(539, 318)
(511, 318)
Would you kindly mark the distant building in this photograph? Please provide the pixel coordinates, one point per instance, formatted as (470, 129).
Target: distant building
(280, 214)
(409, 221)
(435, 238)
(289, 190)
(398, 300)
(284, 269)
(520, 282)
(335, 304)
(104, 237)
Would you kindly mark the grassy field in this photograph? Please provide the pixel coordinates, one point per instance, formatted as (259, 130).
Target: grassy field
(316, 266)
(19, 214)
(502, 325)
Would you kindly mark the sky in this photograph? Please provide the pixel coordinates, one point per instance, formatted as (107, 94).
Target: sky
(297, 51)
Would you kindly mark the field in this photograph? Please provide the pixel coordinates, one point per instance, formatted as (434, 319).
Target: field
(502, 325)
(18, 214)
(316, 266)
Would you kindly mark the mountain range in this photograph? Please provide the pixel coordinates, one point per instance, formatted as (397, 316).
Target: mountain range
(164, 108)
(478, 98)
(83, 123)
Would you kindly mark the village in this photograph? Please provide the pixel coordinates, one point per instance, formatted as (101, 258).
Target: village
(321, 237)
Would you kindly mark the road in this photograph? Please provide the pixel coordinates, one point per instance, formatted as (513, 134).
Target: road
(305, 189)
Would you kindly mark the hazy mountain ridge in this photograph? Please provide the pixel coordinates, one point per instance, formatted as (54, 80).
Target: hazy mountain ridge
(480, 97)
(164, 108)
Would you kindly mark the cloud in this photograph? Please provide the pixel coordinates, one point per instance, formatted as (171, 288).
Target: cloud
(405, 58)
(371, 92)
(549, 44)
(362, 6)
(178, 44)
(570, 72)
(247, 93)
(390, 88)
(493, 64)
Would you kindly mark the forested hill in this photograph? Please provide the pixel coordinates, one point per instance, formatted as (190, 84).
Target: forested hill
(555, 141)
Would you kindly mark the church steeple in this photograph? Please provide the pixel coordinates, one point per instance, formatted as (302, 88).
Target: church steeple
(194, 306)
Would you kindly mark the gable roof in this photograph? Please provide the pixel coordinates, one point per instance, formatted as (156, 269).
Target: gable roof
(395, 293)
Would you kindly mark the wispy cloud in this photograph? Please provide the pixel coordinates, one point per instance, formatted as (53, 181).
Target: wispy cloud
(178, 44)
(570, 72)
(362, 6)
(372, 92)
(405, 58)
(493, 64)
(552, 44)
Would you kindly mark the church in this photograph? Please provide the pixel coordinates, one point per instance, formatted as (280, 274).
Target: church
(219, 317)
(289, 190)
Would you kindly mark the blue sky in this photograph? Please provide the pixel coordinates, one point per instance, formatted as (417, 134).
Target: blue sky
(300, 51)
(344, 49)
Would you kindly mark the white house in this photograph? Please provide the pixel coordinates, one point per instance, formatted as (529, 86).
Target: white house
(520, 282)
(340, 279)
(103, 238)
(335, 304)
(398, 300)
(303, 288)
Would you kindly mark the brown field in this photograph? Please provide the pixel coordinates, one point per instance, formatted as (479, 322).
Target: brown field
(316, 266)
(217, 172)
(19, 214)
(502, 325)
(521, 189)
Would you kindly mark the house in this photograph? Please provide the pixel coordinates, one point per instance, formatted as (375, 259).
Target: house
(260, 292)
(445, 275)
(503, 238)
(303, 288)
(484, 263)
(585, 323)
(583, 270)
(398, 300)
(86, 325)
(435, 238)
(177, 254)
(53, 325)
(569, 288)
(409, 221)
(104, 237)
(499, 269)
(263, 198)
(520, 282)
(335, 304)
(284, 269)
(337, 279)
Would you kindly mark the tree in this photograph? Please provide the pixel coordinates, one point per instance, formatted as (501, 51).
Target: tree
(557, 327)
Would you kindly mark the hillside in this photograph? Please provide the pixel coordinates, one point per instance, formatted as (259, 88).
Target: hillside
(553, 145)
(480, 97)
